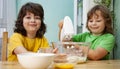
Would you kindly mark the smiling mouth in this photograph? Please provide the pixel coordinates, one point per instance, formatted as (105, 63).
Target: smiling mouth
(33, 25)
(94, 27)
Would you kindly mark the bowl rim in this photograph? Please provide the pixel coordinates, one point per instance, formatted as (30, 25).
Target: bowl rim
(85, 43)
(36, 54)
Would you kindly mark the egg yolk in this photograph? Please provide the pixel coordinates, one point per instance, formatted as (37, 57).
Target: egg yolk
(64, 66)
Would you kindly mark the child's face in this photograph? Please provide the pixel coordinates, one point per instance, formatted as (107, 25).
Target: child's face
(31, 22)
(96, 24)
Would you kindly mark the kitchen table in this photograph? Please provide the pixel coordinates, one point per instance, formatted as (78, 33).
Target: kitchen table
(101, 64)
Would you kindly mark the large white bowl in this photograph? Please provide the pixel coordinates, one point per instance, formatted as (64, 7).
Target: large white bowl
(35, 60)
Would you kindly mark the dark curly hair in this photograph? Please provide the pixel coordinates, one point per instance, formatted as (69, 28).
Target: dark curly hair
(37, 10)
(105, 13)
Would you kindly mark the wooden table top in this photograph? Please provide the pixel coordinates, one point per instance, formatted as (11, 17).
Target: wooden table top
(102, 64)
(10, 65)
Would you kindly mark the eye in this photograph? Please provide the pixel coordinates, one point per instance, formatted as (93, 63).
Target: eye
(99, 20)
(37, 17)
(90, 20)
(28, 17)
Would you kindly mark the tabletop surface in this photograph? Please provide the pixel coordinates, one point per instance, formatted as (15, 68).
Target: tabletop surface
(102, 64)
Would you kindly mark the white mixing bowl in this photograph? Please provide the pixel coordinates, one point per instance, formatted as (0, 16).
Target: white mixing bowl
(35, 60)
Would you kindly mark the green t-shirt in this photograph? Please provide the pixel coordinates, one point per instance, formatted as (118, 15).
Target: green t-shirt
(105, 41)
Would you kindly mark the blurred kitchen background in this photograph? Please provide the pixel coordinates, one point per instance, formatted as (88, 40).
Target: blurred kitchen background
(55, 10)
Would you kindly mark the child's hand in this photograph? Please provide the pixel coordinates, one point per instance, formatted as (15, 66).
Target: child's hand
(55, 50)
(67, 38)
(60, 25)
(60, 58)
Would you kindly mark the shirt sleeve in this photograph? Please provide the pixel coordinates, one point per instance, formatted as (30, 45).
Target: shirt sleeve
(80, 37)
(108, 42)
(14, 41)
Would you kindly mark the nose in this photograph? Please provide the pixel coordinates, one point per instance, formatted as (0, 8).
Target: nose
(32, 19)
(94, 23)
